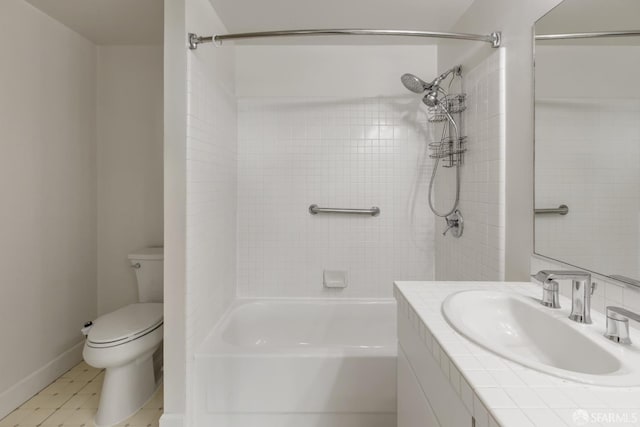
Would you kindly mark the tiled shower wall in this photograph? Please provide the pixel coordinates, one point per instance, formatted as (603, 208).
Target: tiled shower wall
(334, 152)
(211, 191)
(211, 187)
(479, 253)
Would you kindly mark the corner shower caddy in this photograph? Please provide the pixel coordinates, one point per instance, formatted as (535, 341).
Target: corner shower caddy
(449, 149)
(442, 106)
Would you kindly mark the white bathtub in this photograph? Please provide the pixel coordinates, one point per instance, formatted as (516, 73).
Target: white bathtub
(315, 363)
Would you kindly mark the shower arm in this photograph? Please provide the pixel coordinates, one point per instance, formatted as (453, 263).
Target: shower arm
(457, 70)
(495, 38)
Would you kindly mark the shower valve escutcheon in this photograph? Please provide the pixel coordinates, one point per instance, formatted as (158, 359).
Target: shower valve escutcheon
(455, 224)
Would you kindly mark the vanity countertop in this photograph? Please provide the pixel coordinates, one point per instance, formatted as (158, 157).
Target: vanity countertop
(497, 391)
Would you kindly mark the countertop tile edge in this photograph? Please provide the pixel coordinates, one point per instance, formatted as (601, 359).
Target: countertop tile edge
(412, 304)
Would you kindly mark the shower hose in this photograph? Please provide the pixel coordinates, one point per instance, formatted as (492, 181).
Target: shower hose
(435, 172)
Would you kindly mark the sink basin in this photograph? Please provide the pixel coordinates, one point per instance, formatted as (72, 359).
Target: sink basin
(518, 328)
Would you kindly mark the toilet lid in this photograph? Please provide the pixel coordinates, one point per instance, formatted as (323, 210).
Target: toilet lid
(126, 324)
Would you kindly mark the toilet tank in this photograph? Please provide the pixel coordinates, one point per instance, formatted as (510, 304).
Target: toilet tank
(148, 264)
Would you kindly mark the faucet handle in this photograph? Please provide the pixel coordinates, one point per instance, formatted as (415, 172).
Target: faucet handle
(551, 294)
(550, 291)
(618, 324)
(540, 277)
(450, 225)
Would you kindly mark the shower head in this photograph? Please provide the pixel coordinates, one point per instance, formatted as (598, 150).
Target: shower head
(415, 84)
(431, 99)
(457, 71)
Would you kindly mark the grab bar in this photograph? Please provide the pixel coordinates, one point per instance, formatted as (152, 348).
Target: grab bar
(374, 211)
(560, 210)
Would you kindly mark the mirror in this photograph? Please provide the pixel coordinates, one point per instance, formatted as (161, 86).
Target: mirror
(587, 136)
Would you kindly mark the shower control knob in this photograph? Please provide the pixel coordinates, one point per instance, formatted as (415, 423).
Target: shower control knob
(455, 223)
(449, 227)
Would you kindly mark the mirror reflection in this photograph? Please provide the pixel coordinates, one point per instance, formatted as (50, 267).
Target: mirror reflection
(587, 144)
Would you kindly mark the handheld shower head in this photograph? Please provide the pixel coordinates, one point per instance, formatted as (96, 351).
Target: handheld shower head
(415, 84)
(431, 99)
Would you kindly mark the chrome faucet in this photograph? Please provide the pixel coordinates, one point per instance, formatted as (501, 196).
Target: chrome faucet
(581, 291)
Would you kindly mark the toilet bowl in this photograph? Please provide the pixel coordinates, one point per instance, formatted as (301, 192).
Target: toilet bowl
(124, 341)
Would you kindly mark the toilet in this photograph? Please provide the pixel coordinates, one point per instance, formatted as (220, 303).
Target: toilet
(124, 342)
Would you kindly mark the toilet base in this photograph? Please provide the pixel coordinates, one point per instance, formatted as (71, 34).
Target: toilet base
(125, 390)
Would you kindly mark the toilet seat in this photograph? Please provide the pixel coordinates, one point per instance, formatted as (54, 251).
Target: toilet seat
(125, 325)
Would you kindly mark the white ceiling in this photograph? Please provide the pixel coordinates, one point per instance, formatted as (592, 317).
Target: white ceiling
(264, 15)
(108, 22)
(141, 21)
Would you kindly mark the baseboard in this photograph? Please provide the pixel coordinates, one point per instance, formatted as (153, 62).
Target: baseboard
(23, 390)
(172, 420)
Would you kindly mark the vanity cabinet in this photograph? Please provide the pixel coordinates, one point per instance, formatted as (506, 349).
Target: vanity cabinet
(426, 398)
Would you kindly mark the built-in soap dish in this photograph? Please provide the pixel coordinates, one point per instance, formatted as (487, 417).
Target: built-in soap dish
(335, 279)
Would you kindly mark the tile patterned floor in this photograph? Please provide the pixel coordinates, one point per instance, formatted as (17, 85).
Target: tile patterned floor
(72, 401)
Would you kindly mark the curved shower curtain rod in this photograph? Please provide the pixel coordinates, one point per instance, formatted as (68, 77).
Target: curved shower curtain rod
(494, 38)
(592, 35)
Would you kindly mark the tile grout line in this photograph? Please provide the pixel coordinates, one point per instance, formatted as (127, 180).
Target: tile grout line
(71, 396)
(59, 412)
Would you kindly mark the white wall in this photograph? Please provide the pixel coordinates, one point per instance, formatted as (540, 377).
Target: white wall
(515, 20)
(479, 254)
(175, 142)
(575, 71)
(332, 126)
(200, 195)
(347, 71)
(47, 183)
(129, 135)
